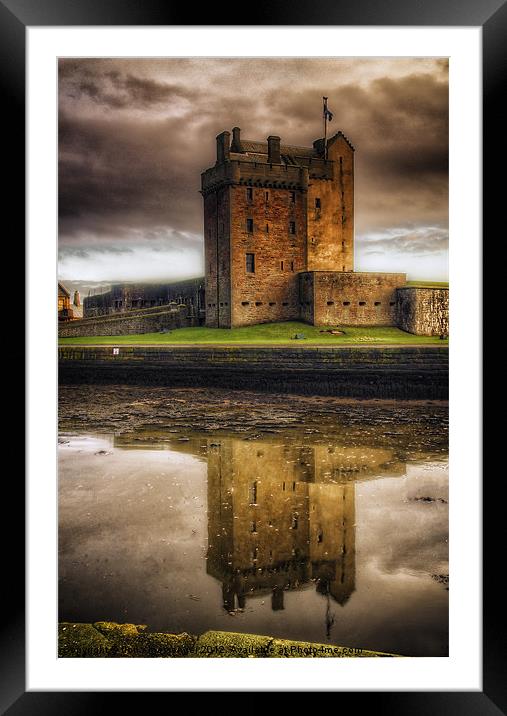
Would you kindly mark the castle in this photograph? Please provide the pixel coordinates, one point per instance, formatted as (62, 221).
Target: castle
(278, 246)
(279, 242)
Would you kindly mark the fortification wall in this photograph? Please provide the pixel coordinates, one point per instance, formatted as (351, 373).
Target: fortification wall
(142, 321)
(350, 298)
(132, 296)
(423, 311)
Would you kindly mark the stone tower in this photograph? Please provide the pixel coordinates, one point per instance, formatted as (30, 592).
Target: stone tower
(272, 211)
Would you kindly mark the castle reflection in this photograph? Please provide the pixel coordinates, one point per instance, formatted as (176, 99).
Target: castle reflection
(281, 516)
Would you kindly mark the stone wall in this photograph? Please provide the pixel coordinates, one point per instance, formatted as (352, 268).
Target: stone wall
(349, 299)
(140, 321)
(270, 293)
(330, 227)
(423, 311)
(217, 211)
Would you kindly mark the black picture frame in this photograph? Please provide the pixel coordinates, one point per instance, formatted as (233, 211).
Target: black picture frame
(15, 17)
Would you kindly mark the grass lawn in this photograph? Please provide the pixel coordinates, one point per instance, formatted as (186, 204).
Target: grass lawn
(264, 333)
(429, 284)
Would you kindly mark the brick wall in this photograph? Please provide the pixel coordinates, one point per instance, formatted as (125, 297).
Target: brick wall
(423, 311)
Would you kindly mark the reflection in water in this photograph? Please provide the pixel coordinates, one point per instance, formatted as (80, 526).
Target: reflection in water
(339, 541)
(280, 516)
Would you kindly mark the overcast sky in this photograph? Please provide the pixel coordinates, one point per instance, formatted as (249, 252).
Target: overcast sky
(136, 134)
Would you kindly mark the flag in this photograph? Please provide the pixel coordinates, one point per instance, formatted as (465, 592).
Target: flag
(328, 115)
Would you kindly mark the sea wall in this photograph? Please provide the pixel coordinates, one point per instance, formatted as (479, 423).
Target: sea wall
(148, 320)
(409, 372)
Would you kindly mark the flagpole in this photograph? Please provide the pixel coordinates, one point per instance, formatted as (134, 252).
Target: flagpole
(325, 126)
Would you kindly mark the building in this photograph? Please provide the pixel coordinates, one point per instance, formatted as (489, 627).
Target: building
(279, 238)
(126, 297)
(65, 312)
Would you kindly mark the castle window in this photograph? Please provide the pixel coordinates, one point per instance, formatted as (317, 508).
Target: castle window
(250, 263)
(266, 196)
(343, 268)
(285, 303)
(258, 303)
(245, 303)
(253, 493)
(294, 523)
(330, 303)
(292, 227)
(249, 226)
(253, 527)
(272, 303)
(281, 265)
(292, 265)
(377, 303)
(362, 303)
(267, 228)
(317, 202)
(346, 303)
(343, 244)
(249, 194)
(293, 197)
(320, 537)
(391, 303)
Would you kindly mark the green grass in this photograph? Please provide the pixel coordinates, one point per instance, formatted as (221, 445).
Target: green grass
(264, 333)
(429, 284)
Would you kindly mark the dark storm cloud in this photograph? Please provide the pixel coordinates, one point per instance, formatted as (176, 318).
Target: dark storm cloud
(136, 134)
(115, 173)
(126, 92)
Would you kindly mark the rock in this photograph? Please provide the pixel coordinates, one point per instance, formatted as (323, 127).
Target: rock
(299, 337)
(81, 640)
(231, 645)
(108, 639)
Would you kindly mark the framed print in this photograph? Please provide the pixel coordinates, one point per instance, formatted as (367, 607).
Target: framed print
(257, 354)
